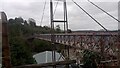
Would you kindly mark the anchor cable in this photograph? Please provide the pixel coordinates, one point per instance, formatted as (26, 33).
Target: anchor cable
(55, 8)
(103, 10)
(43, 13)
(90, 15)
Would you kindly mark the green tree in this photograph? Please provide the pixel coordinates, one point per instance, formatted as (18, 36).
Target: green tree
(58, 30)
(11, 21)
(25, 23)
(90, 59)
(69, 31)
(40, 45)
(20, 53)
(19, 31)
(32, 22)
(19, 20)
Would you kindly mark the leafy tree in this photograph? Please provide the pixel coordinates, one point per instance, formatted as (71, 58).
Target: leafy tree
(25, 23)
(19, 20)
(32, 22)
(69, 31)
(40, 45)
(19, 31)
(90, 59)
(11, 21)
(20, 53)
(58, 30)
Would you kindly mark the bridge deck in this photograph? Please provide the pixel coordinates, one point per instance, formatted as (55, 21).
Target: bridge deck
(103, 42)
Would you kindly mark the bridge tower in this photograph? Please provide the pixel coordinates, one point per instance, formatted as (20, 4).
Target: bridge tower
(53, 21)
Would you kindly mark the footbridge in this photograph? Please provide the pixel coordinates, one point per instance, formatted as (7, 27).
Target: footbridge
(104, 43)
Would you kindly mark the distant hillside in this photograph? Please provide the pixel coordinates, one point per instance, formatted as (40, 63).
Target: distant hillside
(94, 31)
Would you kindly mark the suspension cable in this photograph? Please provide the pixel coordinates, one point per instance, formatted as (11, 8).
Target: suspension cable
(55, 8)
(43, 13)
(90, 16)
(103, 11)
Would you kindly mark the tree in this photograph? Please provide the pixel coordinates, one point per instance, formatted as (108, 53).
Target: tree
(32, 22)
(19, 31)
(19, 20)
(20, 53)
(11, 21)
(58, 30)
(69, 31)
(90, 59)
(25, 23)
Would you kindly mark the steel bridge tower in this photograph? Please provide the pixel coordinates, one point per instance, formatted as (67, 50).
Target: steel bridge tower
(53, 21)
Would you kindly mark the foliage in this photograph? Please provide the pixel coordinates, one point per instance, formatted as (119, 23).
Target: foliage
(20, 53)
(90, 59)
(58, 30)
(32, 22)
(69, 31)
(19, 31)
(40, 45)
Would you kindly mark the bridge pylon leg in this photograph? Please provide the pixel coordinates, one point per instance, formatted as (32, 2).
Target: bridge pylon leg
(6, 60)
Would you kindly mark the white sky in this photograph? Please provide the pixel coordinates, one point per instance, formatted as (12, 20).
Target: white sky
(77, 19)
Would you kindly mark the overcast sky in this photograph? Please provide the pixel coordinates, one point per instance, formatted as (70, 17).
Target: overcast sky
(77, 19)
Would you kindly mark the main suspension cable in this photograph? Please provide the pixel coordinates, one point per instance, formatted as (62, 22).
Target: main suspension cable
(90, 16)
(43, 13)
(55, 8)
(103, 11)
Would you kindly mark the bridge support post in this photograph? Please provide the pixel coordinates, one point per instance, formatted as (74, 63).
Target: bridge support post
(52, 28)
(5, 45)
(102, 47)
(52, 33)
